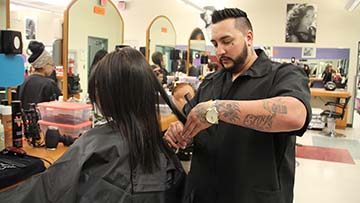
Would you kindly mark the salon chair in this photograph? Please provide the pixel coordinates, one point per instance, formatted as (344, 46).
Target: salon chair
(332, 115)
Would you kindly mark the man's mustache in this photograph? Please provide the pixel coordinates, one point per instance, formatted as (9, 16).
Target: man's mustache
(225, 58)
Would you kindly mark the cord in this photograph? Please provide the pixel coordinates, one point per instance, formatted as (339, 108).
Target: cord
(47, 161)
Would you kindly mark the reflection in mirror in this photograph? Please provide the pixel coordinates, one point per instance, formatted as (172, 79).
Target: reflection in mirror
(161, 37)
(38, 23)
(102, 29)
(196, 49)
(317, 61)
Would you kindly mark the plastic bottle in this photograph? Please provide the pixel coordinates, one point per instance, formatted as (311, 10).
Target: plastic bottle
(2, 137)
(7, 122)
(16, 124)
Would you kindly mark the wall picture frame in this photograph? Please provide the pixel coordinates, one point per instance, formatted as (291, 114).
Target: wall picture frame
(308, 52)
(30, 28)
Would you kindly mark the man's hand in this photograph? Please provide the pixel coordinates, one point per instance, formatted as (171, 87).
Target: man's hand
(173, 135)
(196, 121)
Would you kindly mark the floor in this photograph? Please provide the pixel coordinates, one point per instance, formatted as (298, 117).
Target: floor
(329, 181)
(331, 171)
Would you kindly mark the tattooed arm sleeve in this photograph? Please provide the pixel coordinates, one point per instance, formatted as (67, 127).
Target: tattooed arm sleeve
(278, 114)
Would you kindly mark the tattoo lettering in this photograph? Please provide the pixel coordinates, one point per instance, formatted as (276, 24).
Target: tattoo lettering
(262, 122)
(230, 111)
(276, 107)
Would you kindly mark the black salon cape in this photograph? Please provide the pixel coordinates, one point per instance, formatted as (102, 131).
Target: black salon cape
(96, 169)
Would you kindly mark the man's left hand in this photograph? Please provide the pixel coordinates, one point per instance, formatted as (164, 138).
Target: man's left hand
(196, 120)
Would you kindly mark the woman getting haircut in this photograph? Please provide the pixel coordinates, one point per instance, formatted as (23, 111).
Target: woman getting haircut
(38, 87)
(123, 160)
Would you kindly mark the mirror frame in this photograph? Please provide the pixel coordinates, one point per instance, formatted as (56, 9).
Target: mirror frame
(196, 30)
(66, 44)
(147, 51)
(7, 13)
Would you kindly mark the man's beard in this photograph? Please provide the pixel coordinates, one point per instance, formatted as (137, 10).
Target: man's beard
(238, 63)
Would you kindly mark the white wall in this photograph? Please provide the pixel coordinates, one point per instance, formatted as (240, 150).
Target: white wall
(2, 14)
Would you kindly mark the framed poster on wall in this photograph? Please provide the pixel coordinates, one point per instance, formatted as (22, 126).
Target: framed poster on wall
(30, 28)
(301, 23)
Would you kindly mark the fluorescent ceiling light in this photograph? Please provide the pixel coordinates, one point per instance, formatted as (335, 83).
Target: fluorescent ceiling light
(200, 4)
(352, 4)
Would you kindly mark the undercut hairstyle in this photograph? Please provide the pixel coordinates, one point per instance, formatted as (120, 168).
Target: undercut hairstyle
(125, 90)
(242, 22)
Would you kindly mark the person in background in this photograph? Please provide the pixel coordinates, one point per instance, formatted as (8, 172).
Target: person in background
(307, 69)
(327, 74)
(299, 27)
(158, 59)
(38, 87)
(158, 73)
(98, 56)
(243, 121)
(212, 67)
(182, 67)
(125, 159)
(98, 119)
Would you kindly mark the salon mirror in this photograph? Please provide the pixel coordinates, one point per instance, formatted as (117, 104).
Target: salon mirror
(160, 36)
(88, 27)
(196, 48)
(316, 58)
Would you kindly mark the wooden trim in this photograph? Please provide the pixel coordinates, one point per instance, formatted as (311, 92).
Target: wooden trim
(122, 21)
(147, 51)
(320, 92)
(7, 13)
(187, 65)
(9, 95)
(65, 50)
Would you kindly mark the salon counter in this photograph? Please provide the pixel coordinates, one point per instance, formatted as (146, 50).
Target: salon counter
(321, 92)
(325, 96)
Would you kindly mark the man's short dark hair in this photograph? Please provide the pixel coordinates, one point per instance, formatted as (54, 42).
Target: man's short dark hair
(242, 21)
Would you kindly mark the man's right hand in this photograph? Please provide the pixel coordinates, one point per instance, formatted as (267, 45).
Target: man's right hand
(173, 135)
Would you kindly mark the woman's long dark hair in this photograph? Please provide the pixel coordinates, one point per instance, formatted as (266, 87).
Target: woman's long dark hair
(125, 90)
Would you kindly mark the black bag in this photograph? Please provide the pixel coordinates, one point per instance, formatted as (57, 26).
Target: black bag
(15, 168)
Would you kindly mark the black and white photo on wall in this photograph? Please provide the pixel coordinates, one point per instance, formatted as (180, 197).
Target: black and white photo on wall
(301, 23)
(30, 28)
(206, 18)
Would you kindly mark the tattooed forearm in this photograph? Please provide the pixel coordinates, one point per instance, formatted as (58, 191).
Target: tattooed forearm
(262, 122)
(229, 111)
(275, 107)
(279, 108)
(200, 112)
